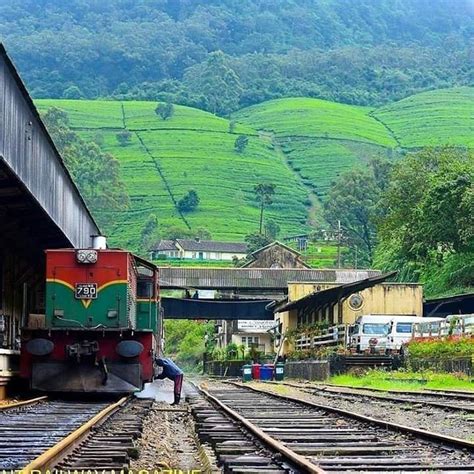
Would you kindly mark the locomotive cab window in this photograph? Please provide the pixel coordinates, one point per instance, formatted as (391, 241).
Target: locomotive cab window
(145, 288)
(145, 283)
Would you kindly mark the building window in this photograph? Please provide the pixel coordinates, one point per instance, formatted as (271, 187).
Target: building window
(250, 340)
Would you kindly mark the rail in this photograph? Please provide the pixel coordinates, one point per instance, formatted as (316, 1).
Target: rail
(60, 449)
(274, 444)
(21, 403)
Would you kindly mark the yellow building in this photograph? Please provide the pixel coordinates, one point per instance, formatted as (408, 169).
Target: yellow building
(336, 304)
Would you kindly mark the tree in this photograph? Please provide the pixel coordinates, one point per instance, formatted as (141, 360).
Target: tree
(124, 137)
(353, 200)
(429, 201)
(256, 241)
(272, 229)
(427, 229)
(241, 143)
(73, 92)
(217, 82)
(165, 110)
(264, 196)
(189, 202)
(232, 126)
(96, 174)
(149, 233)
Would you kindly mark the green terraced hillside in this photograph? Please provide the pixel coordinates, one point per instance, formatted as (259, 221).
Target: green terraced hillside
(191, 150)
(320, 139)
(301, 144)
(314, 118)
(440, 117)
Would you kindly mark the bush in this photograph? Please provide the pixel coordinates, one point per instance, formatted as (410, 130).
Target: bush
(189, 202)
(124, 137)
(441, 348)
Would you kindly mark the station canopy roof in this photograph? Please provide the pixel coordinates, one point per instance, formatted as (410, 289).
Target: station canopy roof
(331, 296)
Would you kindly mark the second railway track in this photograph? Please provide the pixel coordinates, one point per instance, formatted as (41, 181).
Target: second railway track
(330, 441)
(463, 402)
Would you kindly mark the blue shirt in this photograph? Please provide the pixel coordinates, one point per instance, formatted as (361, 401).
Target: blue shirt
(170, 369)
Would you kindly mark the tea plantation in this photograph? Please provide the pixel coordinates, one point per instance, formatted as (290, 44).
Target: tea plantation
(164, 159)
(301, 144)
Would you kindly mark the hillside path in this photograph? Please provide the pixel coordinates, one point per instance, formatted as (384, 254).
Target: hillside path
(315, 208)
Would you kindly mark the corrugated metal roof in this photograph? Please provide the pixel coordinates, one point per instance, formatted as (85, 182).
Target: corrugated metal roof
(254, 278)
(318, 299)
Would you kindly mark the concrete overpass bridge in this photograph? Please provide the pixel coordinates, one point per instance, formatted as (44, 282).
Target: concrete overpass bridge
(246, 293)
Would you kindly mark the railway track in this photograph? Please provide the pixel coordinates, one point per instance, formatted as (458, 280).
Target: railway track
(463, 402)
(306, 437)
(42, 434)
(31, 428)
(111, 445)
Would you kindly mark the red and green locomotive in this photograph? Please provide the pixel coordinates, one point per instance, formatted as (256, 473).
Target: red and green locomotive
(102, 327)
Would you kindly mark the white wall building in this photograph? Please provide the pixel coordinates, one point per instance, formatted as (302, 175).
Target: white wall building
(197, 249)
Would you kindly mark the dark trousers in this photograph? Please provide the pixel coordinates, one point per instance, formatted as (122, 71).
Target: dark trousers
(178, 385)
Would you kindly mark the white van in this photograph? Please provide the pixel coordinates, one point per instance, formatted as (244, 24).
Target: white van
(370, 327)
(401, 330)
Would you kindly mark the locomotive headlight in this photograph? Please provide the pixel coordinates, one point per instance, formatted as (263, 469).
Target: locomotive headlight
(86, 256)
(59, 313)
(112, 313)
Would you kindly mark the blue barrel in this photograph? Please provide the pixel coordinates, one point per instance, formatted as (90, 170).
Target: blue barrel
(266, 372)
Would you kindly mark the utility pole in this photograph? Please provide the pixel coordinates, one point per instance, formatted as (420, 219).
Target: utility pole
(339, 236)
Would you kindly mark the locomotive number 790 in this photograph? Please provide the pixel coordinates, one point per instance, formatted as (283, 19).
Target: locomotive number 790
(86, 291)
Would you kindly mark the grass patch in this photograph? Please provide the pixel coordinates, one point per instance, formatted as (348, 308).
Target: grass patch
(405, 380)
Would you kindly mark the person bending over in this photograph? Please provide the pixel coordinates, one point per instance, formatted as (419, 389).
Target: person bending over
(173, 372)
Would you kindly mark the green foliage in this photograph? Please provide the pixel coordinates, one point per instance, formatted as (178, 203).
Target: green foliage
(217, 82)
(441, 348)
(189, 202)
(256, 241)
(73, 92)
(124, 137)
(149, 233)
(354, 201)
(231, 351)
(96, 173)
(164, 110)
(185, 341)
(404, 380)
(264, 196)
(354, 52)
(428, 216)
(241, 143)
(272, 229)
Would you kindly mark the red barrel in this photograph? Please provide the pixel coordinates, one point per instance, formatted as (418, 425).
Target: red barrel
(256, 371)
